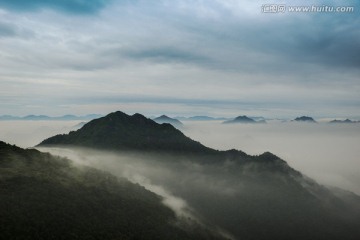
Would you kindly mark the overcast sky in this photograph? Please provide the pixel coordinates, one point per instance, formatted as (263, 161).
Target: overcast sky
(178, 57)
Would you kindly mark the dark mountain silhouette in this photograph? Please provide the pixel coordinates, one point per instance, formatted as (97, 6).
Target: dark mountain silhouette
(305, 119)
(241, 119)
(165, 119)
(47, 197)
(119, 131)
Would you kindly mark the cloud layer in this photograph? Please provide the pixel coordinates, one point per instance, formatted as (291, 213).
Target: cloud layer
(206, 57)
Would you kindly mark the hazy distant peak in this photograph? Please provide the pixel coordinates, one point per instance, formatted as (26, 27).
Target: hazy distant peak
(164, 117)
(244, 117)
(304, 119)
(241, 119)
(342, 121)
(169, 120)
(66, 117)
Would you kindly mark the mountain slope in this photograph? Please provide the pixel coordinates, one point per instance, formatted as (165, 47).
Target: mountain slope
(119, 131)
(46, 197)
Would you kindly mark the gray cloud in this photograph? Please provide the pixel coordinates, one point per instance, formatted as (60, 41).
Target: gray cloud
(327, 40)
(170, 54)
(7, 30)
(185, 53)
(69, 6)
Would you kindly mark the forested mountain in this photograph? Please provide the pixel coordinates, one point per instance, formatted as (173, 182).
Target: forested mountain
(252, 197)
(47, 197)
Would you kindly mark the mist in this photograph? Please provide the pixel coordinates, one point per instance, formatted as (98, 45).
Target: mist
(27, 133)
(131, 166)
(217, 195)
(221, 194)
(173, 178)
(328, 153)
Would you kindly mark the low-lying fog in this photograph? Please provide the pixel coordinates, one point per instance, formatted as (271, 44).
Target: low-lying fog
(30, 133)
(329, 153)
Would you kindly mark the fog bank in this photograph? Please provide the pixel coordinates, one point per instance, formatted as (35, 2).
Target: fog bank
(30, 133)
(329, 153)
(132, 167)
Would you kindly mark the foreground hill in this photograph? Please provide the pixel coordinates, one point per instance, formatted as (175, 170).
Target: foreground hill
(251, 197)
(46, 197)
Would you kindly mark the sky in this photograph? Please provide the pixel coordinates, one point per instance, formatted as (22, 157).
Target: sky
(179, 57)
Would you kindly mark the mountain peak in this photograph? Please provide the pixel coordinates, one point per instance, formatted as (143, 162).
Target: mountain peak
(241, 119)
(119, 131)
(166, 119)
(304, 119)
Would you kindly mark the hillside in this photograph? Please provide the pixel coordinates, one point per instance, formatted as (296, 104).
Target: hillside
(47, 197)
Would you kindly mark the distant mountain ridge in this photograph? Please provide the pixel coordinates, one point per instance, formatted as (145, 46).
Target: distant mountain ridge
(205, 118)
(343, 121)
(244, 119)
(45, 117)
(305, 119)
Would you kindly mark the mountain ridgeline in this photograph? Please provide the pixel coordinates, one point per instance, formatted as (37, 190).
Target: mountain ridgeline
(119, 131)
